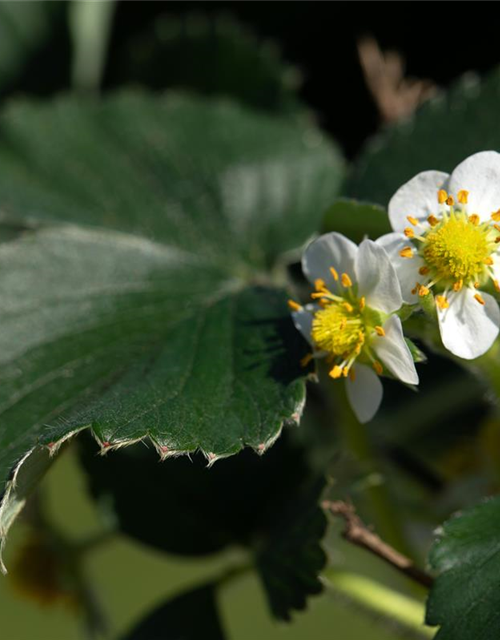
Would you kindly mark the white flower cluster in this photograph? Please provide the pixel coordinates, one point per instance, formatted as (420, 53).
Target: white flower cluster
(445, 247)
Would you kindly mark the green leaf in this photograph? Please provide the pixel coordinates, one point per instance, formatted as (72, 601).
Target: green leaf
(190, 616)
(416, 353)
(202, 510)
(441, 134)
(293, 558)
(24, 28)
(465, 599)
(356, 220)
(213, 56)
(152, 314)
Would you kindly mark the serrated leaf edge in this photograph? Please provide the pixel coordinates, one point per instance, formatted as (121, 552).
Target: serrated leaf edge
(8, 499)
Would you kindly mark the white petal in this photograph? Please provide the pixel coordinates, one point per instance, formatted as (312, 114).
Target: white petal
(330, 250)
(480, 176)
(406, 268)
(417, 198)
(364, 393)
(394, 353)
(468, 328)
(377, 279)
(303, 322)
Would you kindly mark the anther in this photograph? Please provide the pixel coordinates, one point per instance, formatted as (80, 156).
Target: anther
(334, 273)
(412, 220)
(423, 271)
(346, 281)
(320, 285)
(362, 303)
(479, 298)
(489, 261)
(442, 196)
(378, 367)
(348, 307)
(294, 306)
(458, 285)
(409, 233)
(336, 372)
(407, 252)
(450, 201)
(496, 226)
(415, 289)
(474, 219)
(463, 196)
(380, 331)
(432, 220)
(423, 291)
(496, 216)
(497, 239)
(442, 302)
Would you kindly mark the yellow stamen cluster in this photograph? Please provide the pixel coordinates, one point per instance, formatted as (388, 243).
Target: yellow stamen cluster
(456, 247)
(344, 325)
(339, 330)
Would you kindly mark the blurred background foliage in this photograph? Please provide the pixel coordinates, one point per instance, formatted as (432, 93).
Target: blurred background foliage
(436, 451)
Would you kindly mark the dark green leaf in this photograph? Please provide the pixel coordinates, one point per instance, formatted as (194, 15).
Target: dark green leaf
(227, 186)
(356, 220)
(293, 558)
(441, 134)
(211, 56)
(153, 325)
(465, 600)
(191, 616)
(202, 510)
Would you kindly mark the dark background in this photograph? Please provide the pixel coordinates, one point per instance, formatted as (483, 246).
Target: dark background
(439, 41)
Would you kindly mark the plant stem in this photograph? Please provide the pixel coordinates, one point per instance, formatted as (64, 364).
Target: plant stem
(380, 600)
(90, 28)
(358, 442)
(357, 533)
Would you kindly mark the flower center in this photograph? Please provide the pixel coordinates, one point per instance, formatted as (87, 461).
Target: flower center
(457, 249)
(339, 329)
(343, 326)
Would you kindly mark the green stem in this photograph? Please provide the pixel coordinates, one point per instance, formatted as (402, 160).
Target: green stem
(356, 438)
(90, 28)
(380, 600)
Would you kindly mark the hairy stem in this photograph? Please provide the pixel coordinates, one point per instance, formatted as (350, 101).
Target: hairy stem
(356, 532)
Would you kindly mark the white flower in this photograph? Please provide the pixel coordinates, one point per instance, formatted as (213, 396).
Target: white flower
(352, 323)
(447, 239)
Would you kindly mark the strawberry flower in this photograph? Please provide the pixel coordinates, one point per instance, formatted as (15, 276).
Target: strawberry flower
(447, 240)
(351, 321)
